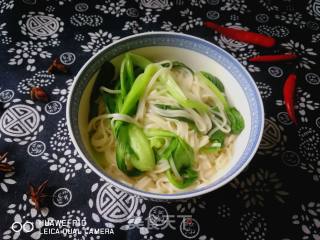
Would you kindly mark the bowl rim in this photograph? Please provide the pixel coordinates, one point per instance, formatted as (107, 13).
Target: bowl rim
(158, 196)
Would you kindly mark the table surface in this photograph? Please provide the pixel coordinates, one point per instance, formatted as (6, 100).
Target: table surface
(276, 197)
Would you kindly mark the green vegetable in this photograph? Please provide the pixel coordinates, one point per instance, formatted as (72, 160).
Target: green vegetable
(167, 107)
(151, 132)
(214, 89)
(188, 177)
(176, 92)
(236, 120)
(136, 92)
(178, 153)
(218, 137)
(139, 61)
(177, 64)
(169, 150)
(183, 155)
(127, 74)
(124, 153)
(118, 103)
(156, 142)
(109, 101)
(216, 81)
(133, 149)
(138, 88)
(144, 157)
(129, 68)
(216, 142)
(123, 79)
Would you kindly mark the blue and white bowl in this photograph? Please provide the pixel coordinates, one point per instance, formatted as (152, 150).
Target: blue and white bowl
(200, 55)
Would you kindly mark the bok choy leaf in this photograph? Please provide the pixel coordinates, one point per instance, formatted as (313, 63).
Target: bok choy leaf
(136, 91)
(133, 149)
(236, 120)
(124, 153)
(177, 93)
(180, 156)
(216, 81)
(234, 116)
(144, 158)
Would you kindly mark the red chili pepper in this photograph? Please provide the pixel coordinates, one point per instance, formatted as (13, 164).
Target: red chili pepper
(243, 36)
(274, 58)
(288, 94)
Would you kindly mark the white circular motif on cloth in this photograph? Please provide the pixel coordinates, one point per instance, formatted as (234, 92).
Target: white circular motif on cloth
(81, 7)
(115, 205)
(316, 7)
(36, 148)
(189, 228)
(274, 140)
(213, 15)
(61, 197)
(312, 78)
(40, 25)
(132, 12)
(271, 135)
(67, 58)
(313, 26)
(19, 121)
(290, 158)
(155, 4)
(283, 118)
(262, 18)
(275, 71)
(53, 107)
(313, 8)
(6, 95)
(158, 216)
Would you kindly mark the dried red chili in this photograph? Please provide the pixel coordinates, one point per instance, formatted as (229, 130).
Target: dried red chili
(288, 94)
(5, 167)
(38, 94)
(37, 193)
(57, 66)
(274, 58)
(243, 36)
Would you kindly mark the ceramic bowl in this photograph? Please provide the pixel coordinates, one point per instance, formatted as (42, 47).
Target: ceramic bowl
(200, 55)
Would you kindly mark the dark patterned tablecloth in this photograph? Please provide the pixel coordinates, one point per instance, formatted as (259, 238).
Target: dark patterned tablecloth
(276, 197)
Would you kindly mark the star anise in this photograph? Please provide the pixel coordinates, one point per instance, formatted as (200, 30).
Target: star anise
(38, 94)
(57, 66)
(36, 194)
(4, 166)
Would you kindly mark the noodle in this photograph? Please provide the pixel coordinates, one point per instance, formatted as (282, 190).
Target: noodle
(150, 116)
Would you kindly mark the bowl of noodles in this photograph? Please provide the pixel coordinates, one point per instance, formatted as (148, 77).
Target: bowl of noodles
(165, 116)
